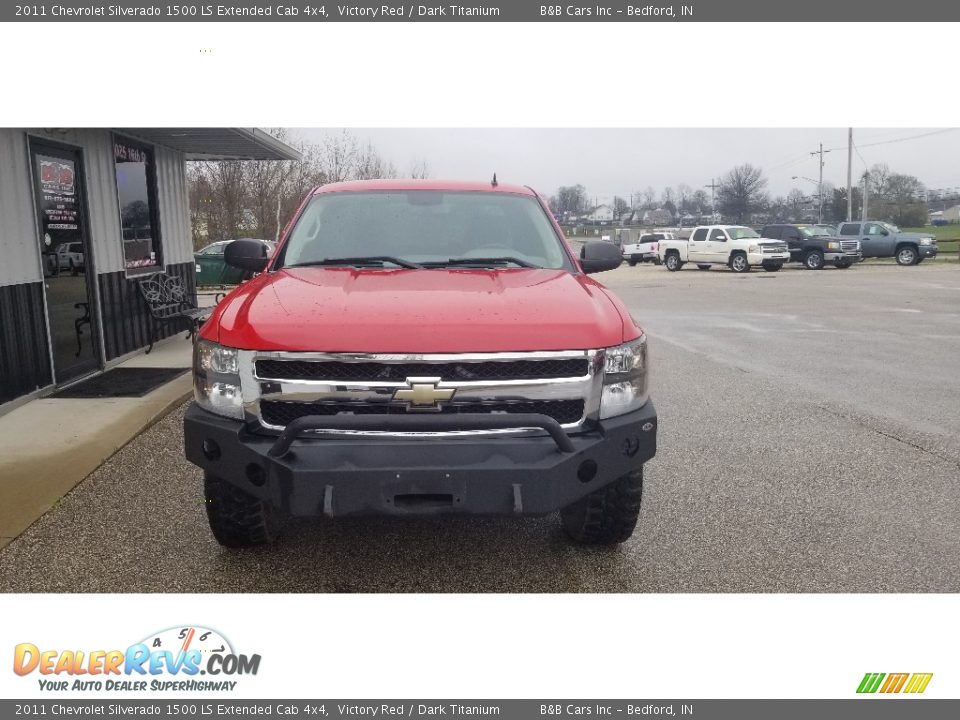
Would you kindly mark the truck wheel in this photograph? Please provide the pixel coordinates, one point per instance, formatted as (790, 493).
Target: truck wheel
(843, 264)
(813, 260)
(739, 263)
(606, 516)
(906, 255)
(672, 261)
(703, 267)
(772, 266)
(632, 263)
(237, 519)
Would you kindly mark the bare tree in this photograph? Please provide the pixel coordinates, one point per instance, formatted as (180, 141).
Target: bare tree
(796, 201)
(742, 192)
(419, 169)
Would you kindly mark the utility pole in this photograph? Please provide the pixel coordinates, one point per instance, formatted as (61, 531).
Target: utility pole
(866, 192)
(849, 174)
(713, 208)
(820, 152)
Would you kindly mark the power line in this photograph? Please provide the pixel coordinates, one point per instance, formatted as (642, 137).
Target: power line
(904, 139)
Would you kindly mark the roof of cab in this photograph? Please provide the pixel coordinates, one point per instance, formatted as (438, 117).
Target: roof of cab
(410, 184)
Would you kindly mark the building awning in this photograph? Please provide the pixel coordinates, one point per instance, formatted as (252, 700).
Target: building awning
(217, 143)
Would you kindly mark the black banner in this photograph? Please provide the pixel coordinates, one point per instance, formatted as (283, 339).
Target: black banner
(502, 11)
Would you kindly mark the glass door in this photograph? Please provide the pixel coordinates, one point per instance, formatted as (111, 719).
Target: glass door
(65, 255)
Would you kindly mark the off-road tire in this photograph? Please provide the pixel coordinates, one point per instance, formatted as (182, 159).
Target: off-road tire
(813, 260)
(672, 261)
(739, 263)
(237, 519)
(772, 266)
(907, 255)
(703, 267)
(606, 516)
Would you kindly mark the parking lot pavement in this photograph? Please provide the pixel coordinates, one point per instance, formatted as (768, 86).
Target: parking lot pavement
(809, 441)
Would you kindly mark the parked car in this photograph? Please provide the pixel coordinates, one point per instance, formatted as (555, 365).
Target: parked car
(739, 248)
(70, 257)
(807, 244)
(883, 240)
(645, 249)
(211, 268)
(421, 347)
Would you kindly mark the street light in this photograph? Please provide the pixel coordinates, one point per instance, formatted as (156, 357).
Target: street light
(819, 194)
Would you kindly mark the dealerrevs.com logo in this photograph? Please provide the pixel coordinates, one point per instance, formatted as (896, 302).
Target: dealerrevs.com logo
(176, 659)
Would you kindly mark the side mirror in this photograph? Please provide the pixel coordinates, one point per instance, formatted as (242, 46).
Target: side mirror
(884, 232)
(246, 255)
(599, 257)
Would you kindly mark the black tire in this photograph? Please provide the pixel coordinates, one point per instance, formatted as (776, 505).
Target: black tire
(672, 261)
(632, 263)
(907, 255)
(813, 260)
(703, 267)
(739, 263)
(772, 266)
(73, 268)
(843, 264)
(919, 260)
(606, 516)
(237, 519)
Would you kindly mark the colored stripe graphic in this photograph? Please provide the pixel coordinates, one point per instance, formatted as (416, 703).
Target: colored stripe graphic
(894, 682)
(870, 682)
(918, 683)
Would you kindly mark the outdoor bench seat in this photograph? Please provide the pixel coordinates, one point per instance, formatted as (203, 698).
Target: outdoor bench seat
(167, 299)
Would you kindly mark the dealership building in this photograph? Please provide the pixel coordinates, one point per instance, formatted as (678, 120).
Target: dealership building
(85, 214)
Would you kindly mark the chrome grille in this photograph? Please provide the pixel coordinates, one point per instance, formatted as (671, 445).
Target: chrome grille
(373, 371)
(283, 413)
(770, 248)
(279, 387)
(849, 245)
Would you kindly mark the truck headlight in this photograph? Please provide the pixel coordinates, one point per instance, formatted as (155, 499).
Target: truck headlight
(753, 249)
(926, 241)
(216, 379)
(833, 245)
(624, 378)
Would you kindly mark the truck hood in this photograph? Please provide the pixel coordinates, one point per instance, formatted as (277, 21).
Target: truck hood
(419, 311)
(914, 236)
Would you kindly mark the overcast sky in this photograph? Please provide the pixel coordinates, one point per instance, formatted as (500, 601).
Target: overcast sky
(611, 161)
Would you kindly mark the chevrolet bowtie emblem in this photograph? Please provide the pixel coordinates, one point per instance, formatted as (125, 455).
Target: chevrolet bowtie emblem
(423, 394)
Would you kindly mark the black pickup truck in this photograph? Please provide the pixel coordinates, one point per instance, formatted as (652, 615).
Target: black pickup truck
(809, 245)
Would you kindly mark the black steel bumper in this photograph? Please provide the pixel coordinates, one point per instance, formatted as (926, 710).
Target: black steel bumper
(335, 474)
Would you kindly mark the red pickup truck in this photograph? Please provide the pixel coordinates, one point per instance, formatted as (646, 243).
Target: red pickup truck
(418, 347)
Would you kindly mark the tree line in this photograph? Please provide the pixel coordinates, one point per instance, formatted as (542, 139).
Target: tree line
(255, 198)
(741, 194)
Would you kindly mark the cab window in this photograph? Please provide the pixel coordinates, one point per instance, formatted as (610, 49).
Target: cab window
(699, 235)
(850, 229)
(718, 235)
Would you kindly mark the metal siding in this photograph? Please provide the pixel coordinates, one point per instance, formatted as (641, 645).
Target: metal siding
(173, 206)
(24, 360)
(18, 228)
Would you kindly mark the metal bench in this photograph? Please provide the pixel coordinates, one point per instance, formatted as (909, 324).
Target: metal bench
(167, 299)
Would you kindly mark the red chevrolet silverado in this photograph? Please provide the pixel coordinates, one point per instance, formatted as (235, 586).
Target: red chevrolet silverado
(419, 347)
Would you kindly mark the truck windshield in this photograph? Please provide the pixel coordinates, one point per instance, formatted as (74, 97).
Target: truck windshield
(741, 233)
(891, 227)
(426, 227)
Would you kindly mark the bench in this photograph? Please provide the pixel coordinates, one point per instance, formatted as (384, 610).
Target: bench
(167, 299)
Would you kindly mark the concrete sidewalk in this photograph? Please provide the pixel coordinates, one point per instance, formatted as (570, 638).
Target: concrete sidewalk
(49, 445)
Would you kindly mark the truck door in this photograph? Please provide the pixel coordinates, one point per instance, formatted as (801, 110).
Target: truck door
(718, 250)
(874, 241)
(697, 247)
(851, 231)
(791, 236)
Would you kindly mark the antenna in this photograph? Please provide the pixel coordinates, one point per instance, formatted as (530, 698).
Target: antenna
(494, 181)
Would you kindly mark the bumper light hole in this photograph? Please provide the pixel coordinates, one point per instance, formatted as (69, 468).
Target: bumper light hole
(256, 475)
(211, 451)
(587, 470)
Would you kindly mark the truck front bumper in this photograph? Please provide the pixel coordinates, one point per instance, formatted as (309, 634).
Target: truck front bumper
(851, 257)
(481, 474)
(761, 258)
(927, 251)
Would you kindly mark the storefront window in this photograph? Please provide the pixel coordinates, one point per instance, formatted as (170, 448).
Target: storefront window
(136, 191)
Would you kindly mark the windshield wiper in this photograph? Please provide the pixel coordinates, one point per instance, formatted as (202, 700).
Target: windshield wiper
(485, 261)
(377, 260)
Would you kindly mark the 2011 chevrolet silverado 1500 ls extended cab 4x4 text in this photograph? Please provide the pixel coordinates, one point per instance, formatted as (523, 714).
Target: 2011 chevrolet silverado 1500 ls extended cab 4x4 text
(421, 347)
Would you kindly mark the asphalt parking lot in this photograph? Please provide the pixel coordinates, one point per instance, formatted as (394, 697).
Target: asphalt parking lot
(809, 442)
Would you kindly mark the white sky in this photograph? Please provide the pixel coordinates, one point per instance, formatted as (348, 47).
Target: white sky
(622, 161)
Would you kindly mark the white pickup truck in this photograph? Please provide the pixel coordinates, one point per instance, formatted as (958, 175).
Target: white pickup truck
(645, 249)
(739, 248)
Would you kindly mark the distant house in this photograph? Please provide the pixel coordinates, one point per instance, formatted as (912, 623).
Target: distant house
(601, 214)
(657, 217)
(951, 215)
